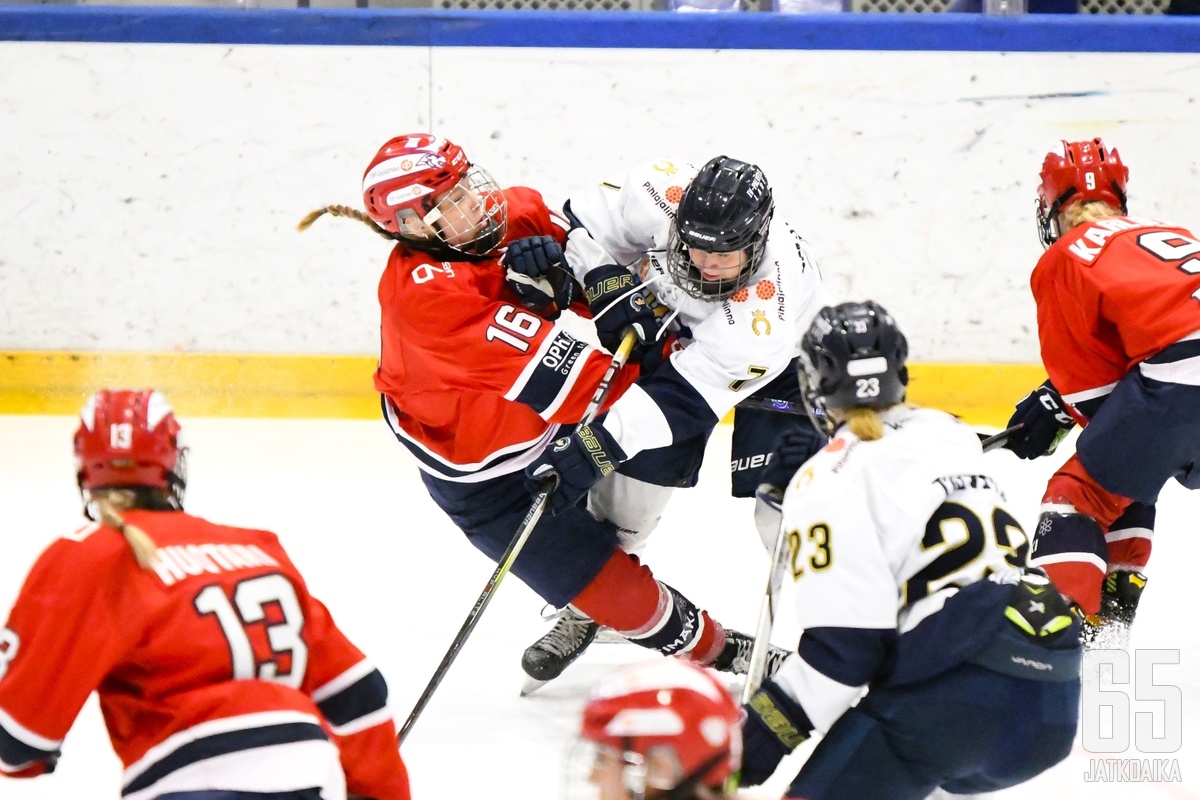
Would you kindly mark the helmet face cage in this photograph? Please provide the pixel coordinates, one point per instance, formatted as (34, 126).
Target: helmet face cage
(853, 356)
(1078, 172)
(420, 183)
(814, 401)
(472, 217)
(727, 207)
(667, 724)
(130, 440)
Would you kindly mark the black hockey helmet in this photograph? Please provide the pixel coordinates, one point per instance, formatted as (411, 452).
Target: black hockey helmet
(853, 356)
(727, 207)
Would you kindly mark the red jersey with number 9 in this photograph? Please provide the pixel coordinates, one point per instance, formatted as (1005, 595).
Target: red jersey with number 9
(219, 650)
(1109, 294)
(473, 383)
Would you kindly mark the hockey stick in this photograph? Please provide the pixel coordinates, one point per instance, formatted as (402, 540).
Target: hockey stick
(532, 516)
(766, 614)
(787, 407)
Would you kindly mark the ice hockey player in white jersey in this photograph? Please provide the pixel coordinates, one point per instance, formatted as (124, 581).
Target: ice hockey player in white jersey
(739, 288)
(911, 584)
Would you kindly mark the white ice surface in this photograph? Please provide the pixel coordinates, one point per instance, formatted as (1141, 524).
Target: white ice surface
(347, 502)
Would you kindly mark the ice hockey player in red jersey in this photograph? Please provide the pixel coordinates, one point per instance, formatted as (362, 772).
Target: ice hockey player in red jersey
(1118, 302)
(656, 730)
(219, 675)
(477, 380)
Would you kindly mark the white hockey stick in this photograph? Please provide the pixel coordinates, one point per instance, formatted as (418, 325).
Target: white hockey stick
(766, 612)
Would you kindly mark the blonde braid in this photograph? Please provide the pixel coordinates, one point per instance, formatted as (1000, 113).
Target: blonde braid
(143, 547)
(343, 211)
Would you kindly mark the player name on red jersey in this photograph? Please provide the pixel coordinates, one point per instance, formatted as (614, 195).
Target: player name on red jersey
(179, 561)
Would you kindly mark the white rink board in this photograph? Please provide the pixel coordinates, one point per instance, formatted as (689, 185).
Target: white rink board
(150, 192)
(400, 579)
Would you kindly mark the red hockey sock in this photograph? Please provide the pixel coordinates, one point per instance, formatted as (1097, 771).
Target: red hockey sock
(1072, 485)
(624, 595)
(710, 644)
(1079, 580)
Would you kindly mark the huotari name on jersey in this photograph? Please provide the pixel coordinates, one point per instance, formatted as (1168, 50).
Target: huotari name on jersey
(178, 562)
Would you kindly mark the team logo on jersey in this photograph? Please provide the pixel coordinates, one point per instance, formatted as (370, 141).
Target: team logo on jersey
(760, 318)
(666, 167)
(806, 477)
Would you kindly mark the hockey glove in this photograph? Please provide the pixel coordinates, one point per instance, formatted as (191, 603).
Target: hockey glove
(537, 272)
(619, 303)
(790, 454)
(1044, 423)
(775, 725)
(576, 463)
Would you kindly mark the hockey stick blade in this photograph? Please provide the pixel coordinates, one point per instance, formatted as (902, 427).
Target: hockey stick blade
(532, 517)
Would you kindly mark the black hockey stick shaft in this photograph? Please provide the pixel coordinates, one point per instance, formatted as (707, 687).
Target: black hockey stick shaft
(787, 407)
(532, 516)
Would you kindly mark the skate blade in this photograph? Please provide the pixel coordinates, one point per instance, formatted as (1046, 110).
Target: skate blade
(531, 685)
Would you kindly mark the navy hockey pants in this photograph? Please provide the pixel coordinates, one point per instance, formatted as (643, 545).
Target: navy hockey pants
(967, 730)
(1145, 433)
(562, 555)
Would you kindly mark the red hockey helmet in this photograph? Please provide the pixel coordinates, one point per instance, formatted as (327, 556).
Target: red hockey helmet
(1078, 172)
(669, 708)
(129, 438)
(421, 177)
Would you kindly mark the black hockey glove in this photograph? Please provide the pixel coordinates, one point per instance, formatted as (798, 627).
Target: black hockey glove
(1044, 423)
(775, 725)
(618, 304)
(576, 463)
(537, 272)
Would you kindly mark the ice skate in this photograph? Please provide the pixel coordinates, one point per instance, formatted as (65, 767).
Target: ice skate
(545, 659)
(735, 657)
(1118, 605)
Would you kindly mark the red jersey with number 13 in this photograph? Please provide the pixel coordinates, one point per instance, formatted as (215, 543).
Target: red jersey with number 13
(218, 650)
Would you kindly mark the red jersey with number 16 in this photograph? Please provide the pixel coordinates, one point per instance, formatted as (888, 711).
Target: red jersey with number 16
(1109, 294)
(474, 386)
(215, 670)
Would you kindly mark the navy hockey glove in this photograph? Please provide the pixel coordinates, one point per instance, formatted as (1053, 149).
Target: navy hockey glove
(537, 272)
(1044, 423)
(775, 725)
(618, 304)
(797, 447)
(576, 463)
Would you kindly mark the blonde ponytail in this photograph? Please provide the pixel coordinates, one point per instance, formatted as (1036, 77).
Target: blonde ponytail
(863, 423)
(1082, 213)
(143, 547)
